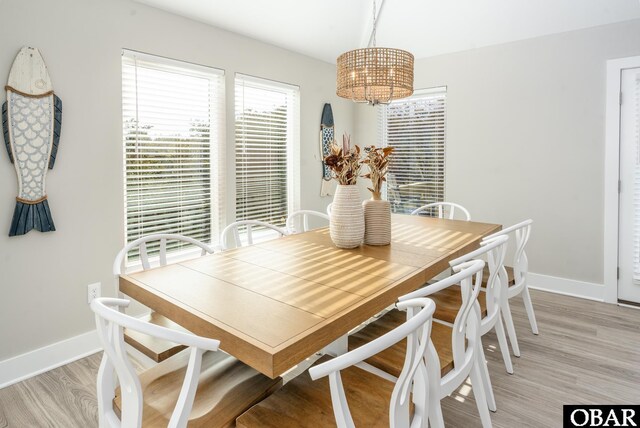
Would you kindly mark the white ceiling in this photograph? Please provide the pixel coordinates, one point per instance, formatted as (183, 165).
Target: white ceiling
(325, 29)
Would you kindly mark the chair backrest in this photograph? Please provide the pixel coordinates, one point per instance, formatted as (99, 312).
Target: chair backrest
(494, 249)
(465, 327)
(522, 232)
(413, 377)
(250, 225)
(329, 209)
(143, 244)
(110, 324)
(444, 210)
(298, 221)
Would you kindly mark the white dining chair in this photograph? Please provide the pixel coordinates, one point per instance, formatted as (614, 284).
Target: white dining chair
(468, 359)
(444, 210)
(517, 278)
(449, 300)
(120, 387)
(160, 241)
(459, 354)
(310, 399)
(298, 221)
(250, 226)
(153, 251)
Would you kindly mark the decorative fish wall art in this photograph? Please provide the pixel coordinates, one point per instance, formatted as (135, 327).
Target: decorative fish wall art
(326, 138)
(31, 120)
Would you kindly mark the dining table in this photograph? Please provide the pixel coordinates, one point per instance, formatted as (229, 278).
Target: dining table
(277, 302)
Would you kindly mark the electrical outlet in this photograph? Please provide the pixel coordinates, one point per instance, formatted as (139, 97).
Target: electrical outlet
(93, 291)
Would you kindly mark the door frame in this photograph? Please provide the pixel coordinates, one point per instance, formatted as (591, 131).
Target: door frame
(612, 173)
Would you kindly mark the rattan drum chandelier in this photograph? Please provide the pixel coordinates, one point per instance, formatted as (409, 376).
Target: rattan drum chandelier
(374, 75)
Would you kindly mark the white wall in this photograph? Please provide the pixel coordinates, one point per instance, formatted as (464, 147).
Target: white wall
(43, 276)
(525, 138)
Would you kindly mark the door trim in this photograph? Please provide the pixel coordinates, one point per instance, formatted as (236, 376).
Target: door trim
(612, 173)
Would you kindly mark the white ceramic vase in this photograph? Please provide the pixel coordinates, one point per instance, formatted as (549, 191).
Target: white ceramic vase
(377, 221)
(346, 222)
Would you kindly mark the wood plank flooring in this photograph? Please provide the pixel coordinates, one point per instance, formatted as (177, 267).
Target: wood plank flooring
(586, 353)
(63, 397)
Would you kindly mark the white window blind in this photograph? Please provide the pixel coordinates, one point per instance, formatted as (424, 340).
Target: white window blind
(173, 121)
(266, 145)
(416, 127)
(636, 187)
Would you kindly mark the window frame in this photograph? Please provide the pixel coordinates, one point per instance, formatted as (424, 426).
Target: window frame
(293, 137)
(216, 143)
(382, 129)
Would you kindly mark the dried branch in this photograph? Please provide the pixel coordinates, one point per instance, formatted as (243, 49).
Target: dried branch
(377, 159)
(344, 161)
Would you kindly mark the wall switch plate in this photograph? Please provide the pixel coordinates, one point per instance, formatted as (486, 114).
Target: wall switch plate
(93, 291)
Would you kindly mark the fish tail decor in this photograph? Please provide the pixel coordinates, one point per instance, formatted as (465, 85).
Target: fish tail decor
(326, 138)
(31, 120)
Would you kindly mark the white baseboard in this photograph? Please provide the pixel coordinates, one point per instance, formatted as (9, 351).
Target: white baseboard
(21, 367)
(568, 287)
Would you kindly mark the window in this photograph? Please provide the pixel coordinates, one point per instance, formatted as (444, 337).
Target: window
(173, 120)
(266, 149)
(415, 126)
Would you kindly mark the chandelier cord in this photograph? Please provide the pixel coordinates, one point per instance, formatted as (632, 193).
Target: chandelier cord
(375, 24)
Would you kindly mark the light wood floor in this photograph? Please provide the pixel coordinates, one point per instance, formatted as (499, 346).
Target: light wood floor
(586, 353)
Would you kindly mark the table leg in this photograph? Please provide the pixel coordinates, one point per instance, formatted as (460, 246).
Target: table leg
(337, 347)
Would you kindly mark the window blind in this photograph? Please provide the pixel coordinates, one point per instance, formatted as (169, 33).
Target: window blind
(415, 126)
(266, 141)
(172, 114)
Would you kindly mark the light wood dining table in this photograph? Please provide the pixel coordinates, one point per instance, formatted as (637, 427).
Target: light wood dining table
(275, 303)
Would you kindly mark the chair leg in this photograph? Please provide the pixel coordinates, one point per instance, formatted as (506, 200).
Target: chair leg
(511, 329)
(484, 375)
(504, 346)
(479, 394)
(434, 412)
(526, 297)
(420, 398)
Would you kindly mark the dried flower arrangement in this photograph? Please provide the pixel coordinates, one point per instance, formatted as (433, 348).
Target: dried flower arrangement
(377, 159)
(344, 161)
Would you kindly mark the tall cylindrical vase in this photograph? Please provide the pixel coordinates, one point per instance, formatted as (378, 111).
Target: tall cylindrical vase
(346, 222)
(377, 221)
